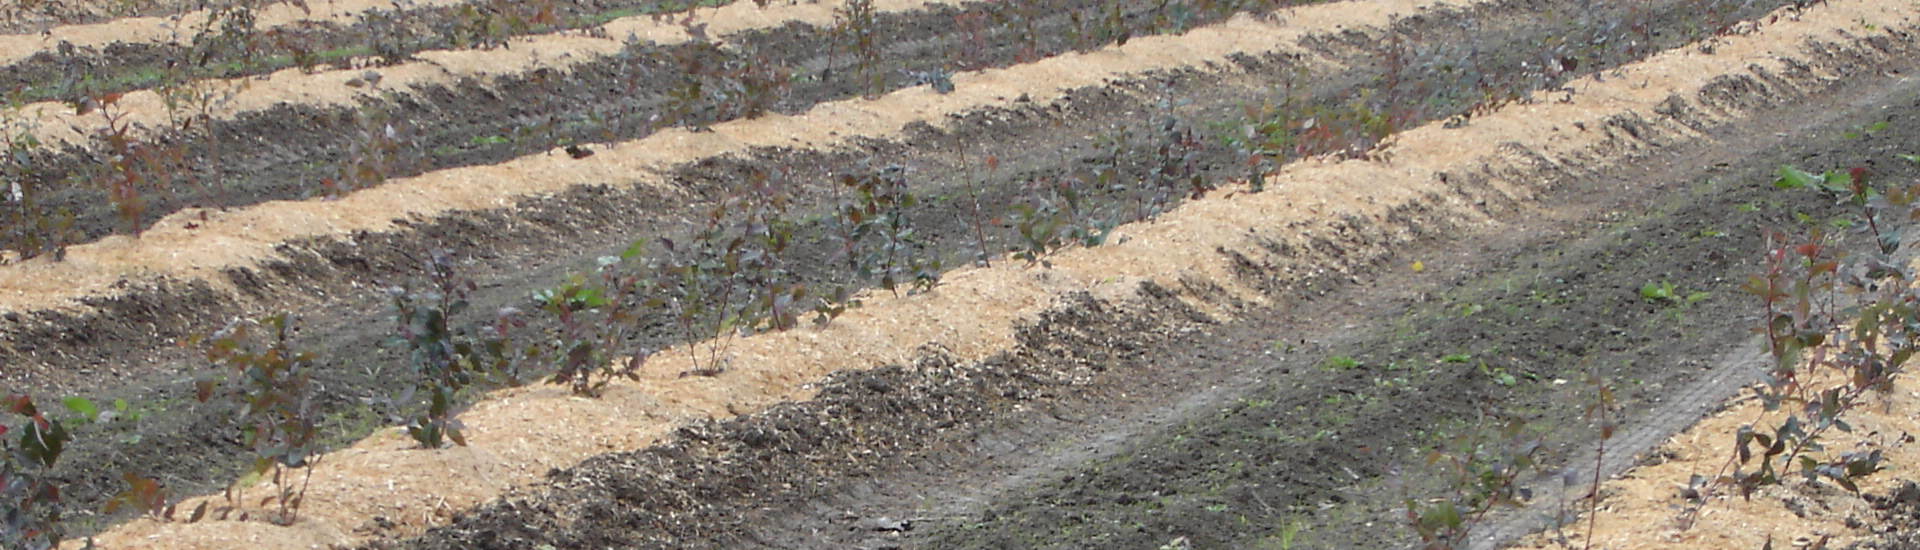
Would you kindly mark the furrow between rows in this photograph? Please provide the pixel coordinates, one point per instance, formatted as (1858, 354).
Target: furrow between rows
(174, 28)
(58, 124)
(198, 244)
(1355, 205)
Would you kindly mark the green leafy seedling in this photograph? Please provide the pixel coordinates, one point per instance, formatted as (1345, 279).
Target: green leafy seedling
(1342, 362)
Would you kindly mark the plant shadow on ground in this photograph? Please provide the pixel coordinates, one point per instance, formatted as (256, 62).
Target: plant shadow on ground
(1317, 452)
(175, 435)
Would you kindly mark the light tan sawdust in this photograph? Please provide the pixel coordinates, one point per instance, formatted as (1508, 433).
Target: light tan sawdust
(185, 246)
(54, 122)
(1641, 509)
(180, 28)
(519, 433)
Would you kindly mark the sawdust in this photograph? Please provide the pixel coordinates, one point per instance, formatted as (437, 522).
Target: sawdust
(518, 434)
(181, 27)
(201, 244)
(1642, 508)
(56, 123)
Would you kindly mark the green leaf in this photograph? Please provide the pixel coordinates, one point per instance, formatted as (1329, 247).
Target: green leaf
(44, 443)
(1911, 158)
(634, 250)
(1441, 515)
(1788, 177)
(1836, 181)
(83, 406)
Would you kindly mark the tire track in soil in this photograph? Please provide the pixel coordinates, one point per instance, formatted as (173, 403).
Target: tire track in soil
(503, 242)
(716, 471)
(1366, 318)
(1826, 144)
(1067, 428)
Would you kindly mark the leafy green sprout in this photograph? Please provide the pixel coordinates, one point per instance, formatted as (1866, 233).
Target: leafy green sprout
(1342, 362)
(1665, 293)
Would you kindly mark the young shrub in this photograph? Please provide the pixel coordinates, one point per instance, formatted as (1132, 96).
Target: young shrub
(443, 359)
(1480, 476)
(29, 494)
(271, 387)
(28, 228)
(133, 168)
(594, 319)
(379, 149)
(730, 277)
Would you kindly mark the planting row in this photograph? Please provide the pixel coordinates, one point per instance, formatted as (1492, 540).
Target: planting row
(231, 42)
(72, 196)
(207, 161)
(737, 268)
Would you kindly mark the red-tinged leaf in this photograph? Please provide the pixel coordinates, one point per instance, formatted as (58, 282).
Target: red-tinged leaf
(199, 512)
(21, 404)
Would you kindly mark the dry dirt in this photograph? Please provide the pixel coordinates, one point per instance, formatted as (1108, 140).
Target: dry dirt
(1231, 368)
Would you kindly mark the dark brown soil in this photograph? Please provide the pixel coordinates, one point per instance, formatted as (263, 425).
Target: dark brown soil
(126, 353)
(235, 46)
(1898, 527)
(1231, 434)
(286, 152)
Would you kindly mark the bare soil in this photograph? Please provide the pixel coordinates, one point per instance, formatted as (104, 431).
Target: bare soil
(1100, 432)
(285, 152)
(1192, 413)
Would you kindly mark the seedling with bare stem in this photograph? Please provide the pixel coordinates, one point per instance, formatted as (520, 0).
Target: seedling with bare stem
(856, 22)
(1827, 356)
(1482, 475)
(976, 218)
(27, 227)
